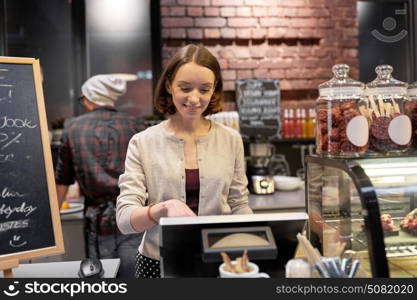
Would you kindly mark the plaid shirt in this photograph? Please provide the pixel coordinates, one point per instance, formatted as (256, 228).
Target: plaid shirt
(93, 151)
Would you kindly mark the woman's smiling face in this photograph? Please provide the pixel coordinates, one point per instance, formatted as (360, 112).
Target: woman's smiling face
(191, 90)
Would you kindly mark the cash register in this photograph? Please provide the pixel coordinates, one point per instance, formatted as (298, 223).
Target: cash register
(191, 246)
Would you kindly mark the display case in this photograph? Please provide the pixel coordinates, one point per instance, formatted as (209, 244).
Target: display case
(370, 204)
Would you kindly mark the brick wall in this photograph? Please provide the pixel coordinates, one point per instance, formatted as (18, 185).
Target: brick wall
(295, 41)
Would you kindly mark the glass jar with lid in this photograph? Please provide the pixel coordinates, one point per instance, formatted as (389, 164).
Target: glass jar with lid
(389, 125)
(342, 129)
(412, 112)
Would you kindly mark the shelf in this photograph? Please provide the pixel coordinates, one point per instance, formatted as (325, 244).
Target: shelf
(275, 140)
(292, 141)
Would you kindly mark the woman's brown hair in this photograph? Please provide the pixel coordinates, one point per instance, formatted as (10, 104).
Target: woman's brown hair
(190, 53)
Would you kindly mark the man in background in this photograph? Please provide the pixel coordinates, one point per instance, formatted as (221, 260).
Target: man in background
(93, 151)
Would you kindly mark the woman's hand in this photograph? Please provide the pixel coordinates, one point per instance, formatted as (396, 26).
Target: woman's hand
(141, 221)
(171, 208)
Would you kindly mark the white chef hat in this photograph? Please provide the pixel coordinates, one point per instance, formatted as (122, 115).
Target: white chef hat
(104, 90)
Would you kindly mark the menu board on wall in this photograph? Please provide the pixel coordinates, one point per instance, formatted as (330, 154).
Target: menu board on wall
(258, 102)
(29, 215)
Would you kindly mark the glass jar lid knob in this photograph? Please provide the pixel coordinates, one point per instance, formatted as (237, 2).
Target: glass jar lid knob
(384, 72)
(340, 71)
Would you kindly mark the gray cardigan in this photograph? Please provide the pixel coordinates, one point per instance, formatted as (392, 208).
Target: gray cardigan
(155, 172)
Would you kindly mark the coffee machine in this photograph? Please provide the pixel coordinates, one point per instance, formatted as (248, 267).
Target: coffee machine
(258, 168)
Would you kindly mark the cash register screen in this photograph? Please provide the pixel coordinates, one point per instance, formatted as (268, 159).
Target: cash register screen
(181, 243)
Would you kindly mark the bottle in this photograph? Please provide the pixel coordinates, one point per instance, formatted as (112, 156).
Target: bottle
(235, 120)
(285, 124)
(313, 120)
(310, 123)
(224, 119)
(303, 123)
(342, 125)
(291, 124)
(297, 126)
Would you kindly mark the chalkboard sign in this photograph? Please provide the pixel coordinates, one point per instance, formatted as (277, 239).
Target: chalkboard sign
(258, 102)
(29, 215)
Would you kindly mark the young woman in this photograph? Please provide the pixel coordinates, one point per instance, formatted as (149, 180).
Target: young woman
(186, 165)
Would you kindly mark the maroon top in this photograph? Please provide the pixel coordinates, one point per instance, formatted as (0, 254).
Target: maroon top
(192, 189)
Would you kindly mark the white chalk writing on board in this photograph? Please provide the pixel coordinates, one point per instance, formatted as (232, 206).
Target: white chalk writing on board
(4, 158)
(9, 139)
(270, 110)
(6, 122)
(16, 242)
(259, 101)
(14, 225)
(6, 93)
(8, 193)
(25, 209)
(6, 90)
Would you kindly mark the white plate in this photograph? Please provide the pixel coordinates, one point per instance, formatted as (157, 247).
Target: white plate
(74, 208)
(287, 187)
(287, 183)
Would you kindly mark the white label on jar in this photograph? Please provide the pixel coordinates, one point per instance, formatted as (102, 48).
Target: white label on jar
(399, 130)
(357, 131)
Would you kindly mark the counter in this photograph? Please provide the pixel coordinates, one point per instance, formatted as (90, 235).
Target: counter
(72, 224)
(280, 201)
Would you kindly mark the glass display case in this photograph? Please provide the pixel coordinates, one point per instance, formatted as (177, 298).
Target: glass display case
(370, 204)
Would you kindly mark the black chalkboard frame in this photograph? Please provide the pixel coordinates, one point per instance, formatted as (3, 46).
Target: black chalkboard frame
(58, 248)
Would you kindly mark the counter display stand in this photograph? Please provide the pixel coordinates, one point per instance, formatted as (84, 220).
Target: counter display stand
(364, 202)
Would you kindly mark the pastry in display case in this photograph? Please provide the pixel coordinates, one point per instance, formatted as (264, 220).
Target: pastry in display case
(370, 204)
(409, 223)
